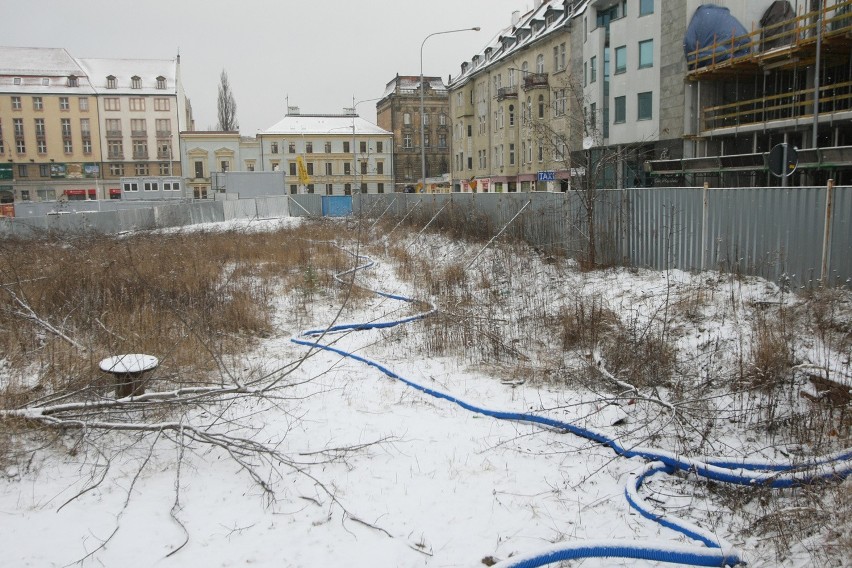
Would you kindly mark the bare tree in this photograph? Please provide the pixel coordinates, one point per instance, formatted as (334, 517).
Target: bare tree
(573, 137)
(226, 105)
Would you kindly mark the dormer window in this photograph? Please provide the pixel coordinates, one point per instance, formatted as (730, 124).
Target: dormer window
(16, 81)
(161, 82)
(136, 82)
(111, 82)
(45, 82)
(72, 81)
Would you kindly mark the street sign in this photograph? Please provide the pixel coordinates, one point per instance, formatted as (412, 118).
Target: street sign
(5, 171)
(783, 159)
(546, 176)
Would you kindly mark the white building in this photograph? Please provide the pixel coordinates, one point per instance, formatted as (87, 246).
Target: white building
(340, 153)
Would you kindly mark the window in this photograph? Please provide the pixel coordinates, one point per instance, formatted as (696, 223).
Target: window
(140, 149)
(137, 103)
(16, 81)
(425, 119)
(87, 145)
(620, 110)
(347, 168)
(379, 147)
(511, 77)
(291, 148)
(427, 143)
(511, 154)
(310, 166)
(161, 103)
(199, 169)
(65, 123)
(469, 130)
(110, 82)
(541, 106)
(539, 63)
(380, 188)
(63, 103)
(150, 186)
(249, 165)
(646, 53)
(44, 170)
(364, 168)
(442, 119)
(23, 171)
(84, 103)
(556, 58)
(328, 147)
(41, 144)
(136, 82)
(309, 148)
(161, 82)
(511, 115)
(39, 126)
(38, 103)
(138, 127)
(16, 103)
(329, 189)
(525, 67)
(347, 189)
(593, 116)
(112, 103)
(562, 56)
(593, 69)
(442, 140)
(644, 102)
(116, 170)
(224, 166)
(292, 168)
(406, 118)
(113, 127)
(345, 147)
(141, 169)
(67, 146)
(19, 126)
(646, 7)
(362, 147)
(273, 147)
(115, 150)
(406, 141)
(329, 168)
(470, 163)
(163, 126)
(380, 168)
(620, 59)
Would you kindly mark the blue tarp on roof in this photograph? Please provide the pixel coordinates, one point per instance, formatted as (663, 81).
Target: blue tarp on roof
(711, 25)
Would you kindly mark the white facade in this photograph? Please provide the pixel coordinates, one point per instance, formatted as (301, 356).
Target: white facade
(341, 153)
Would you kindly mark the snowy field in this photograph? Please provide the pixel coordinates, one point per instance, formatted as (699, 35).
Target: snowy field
(364, 470)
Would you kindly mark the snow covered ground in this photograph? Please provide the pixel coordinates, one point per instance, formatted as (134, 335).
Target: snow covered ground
(380, 474)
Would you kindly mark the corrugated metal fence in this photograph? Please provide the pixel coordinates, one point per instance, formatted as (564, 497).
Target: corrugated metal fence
(778, 233)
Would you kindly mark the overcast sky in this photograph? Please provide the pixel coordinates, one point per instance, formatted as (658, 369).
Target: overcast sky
(320, 53)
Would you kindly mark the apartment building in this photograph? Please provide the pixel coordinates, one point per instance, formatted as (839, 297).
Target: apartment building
(70, 128)
(205, 153)
(398, 112)
(640, 109)
(329, 154)
(511, 106)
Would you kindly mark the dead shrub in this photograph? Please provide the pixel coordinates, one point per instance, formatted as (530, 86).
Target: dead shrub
(584, 322)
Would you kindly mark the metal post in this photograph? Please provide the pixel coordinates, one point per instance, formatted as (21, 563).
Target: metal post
(422, 102)
(826, 239)
(705, 215)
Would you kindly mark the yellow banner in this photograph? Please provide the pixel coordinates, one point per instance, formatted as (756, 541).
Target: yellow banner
(303, 171)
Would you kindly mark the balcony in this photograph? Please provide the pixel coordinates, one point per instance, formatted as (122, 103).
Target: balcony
(115, 156)
(140, 155)
(164, 154)
(139, 133)
(507, 92)
(535, 81)
(164, 134)
(113, 133)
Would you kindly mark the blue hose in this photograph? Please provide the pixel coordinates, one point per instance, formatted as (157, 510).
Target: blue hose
(739, 472)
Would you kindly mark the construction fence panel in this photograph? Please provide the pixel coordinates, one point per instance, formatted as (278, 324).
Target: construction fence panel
(839, 253)
(306, 205)
(664, 227)
(275, 207)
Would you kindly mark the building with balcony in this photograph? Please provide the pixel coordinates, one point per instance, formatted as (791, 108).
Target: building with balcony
(329, 154)
(511, 105)
(398, 112)
(70, 128)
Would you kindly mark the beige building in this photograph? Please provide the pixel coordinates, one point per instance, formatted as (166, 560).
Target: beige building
(510, 106)
(70, 128)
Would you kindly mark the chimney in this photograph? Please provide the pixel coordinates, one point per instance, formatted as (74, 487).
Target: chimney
(516, 17)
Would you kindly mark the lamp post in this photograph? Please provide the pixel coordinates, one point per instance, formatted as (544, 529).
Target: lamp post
(422, 102)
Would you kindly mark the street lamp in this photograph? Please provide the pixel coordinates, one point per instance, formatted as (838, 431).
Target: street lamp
(422, 97)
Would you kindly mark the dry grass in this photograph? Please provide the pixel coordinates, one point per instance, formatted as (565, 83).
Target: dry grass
(189, 298)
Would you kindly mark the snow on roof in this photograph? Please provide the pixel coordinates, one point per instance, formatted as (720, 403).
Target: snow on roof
(148, 70)
(521, 34)
(412, 83)
(40, 61)
(324, 124)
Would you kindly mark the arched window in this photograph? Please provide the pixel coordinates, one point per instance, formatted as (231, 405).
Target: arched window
(136, 82)
(110, 81)
(161, 82)
(525, 67)
(541, 106)
(539, 63)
